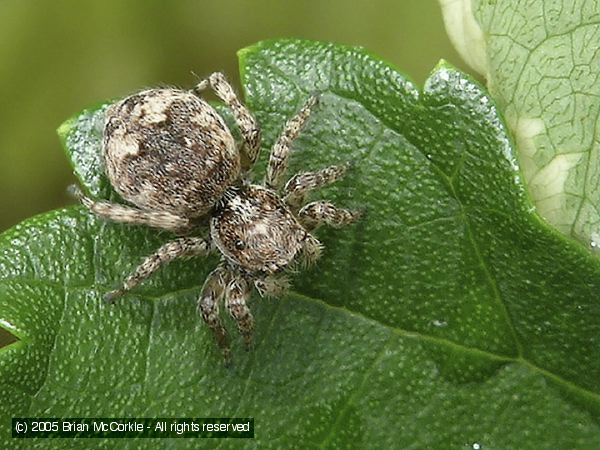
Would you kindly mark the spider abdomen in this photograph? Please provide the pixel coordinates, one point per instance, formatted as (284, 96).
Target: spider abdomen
(169, 150)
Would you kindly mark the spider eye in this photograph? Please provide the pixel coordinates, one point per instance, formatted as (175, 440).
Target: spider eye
(240, 245)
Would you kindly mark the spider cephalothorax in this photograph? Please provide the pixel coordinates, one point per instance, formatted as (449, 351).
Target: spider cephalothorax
(254, 229)
(170, 154)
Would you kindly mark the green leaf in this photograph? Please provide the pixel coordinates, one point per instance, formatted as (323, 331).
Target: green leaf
(541, 61)
(450, 316)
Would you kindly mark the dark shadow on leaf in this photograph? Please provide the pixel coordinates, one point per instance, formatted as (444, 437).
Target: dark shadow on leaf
(7, 338)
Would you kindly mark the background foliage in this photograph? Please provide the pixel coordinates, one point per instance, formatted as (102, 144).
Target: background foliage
(541, 62)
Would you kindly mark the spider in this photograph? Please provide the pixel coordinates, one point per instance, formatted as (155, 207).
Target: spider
(168, 153)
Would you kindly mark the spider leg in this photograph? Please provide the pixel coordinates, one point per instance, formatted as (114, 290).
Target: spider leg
(181, 247)
(248, 125)
(237, 294)
(132, 216)
(321, 212)
(300, 184)
(212, 294)
(278, 160)
(272, 285)
(310, 250)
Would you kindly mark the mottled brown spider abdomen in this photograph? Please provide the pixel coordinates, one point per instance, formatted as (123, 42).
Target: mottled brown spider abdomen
(169, 150)
(254, 229)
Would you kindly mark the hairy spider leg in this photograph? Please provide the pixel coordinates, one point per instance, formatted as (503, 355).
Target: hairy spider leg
(212, 294)
(272, 285)
(248, 125)
(322, 212)
(178, 248)
(130, 215)
(278, 159)
(236, 295)
(299, 185)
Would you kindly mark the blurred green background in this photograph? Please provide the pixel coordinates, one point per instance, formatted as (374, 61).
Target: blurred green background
(58, 57)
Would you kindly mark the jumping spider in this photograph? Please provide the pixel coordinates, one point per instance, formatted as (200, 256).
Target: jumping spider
(170, 154)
